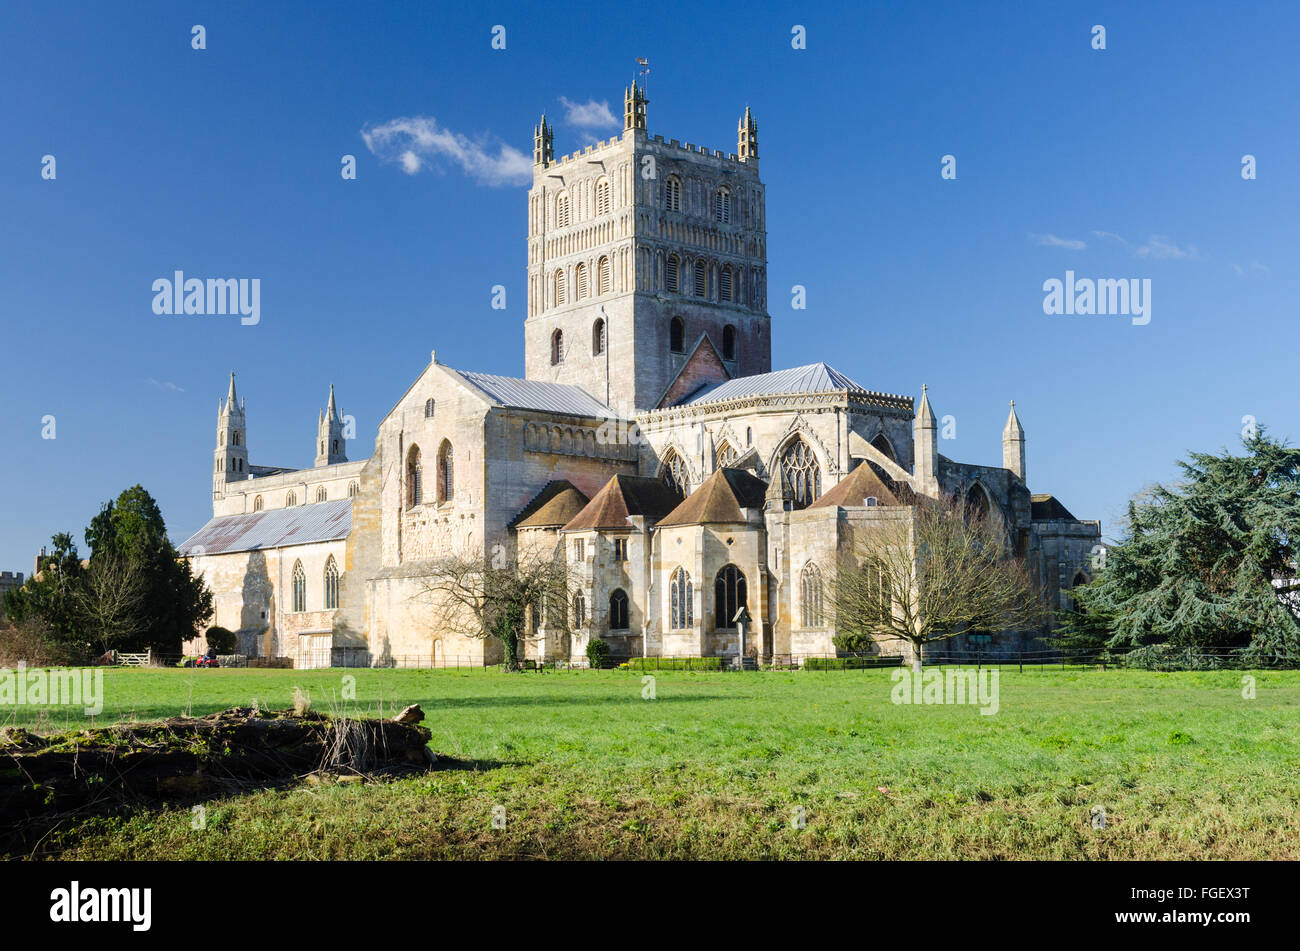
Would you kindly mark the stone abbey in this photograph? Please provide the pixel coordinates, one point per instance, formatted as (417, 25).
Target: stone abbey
(649, 444)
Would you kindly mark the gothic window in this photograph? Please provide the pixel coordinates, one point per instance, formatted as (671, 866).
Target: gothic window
(749, 435)
(677, 335)
(726, 456)
(335, 444)
(729, 596)
(579, 610)
(726, 285)
(881, 442)
(701, 279)
(414, 478)
(722, 205)
(620, 549)
(299, 587)
(602, 197)
(602, 276)
(446, 472)
(321, 494)
(672, 269)
(674, 472)
(257, 504)
(240, 464)
(618, 611)
(560, 289)
(682, 594)
(562, 211)
(235, 437)
(353, 490)
(580, 282)
(331, 584)
(977, 502)
(801, 473)
(557, 347)
(673, 193)
(428, 408)
(810, 590)
(728, 342)
(598, 338)
(290, 500)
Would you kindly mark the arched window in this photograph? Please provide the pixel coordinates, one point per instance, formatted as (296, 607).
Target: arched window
(598, 337)
(729, 596)
(977, 502)
(579, 610)
(674, 472)
(749, 435)
(618, 611)
(331, 584)
(682, 613)
(672, 274)
(321, 494)
(677, 335)
(557, 347)
(446, 472)
(673, 193)
(235, 436)
(428, 408)
(725, 455)
(729, 342)
(722, 205)
(726, 285)
(353, 490)
(810, 590)
(701, 278)
(881, 442)
(580, 282)
(602, 276)
(299, 587)
(335, 444)
(290, 500)
(257, 503)
(801, 473)
(414, 478)
(560, 289)
(562, 210)
(602, 197)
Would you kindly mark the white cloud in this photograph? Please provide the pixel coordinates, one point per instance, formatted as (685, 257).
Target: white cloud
(1157, 247)
(1052, 241)
(165, 385)
(419, 141)
(588, 115)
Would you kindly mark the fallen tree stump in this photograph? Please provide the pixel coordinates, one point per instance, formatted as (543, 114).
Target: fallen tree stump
(186, 758)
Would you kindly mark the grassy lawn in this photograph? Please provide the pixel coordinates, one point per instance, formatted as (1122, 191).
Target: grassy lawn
(717, 765)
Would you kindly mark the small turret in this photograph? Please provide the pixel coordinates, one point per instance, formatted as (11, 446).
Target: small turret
(230, 458)
(543, 144)
(1013, 445)
(925, 435)
(747, 138)
(330, 444)
(634, 103)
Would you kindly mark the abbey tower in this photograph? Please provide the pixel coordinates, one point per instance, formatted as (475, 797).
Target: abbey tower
(647, 262)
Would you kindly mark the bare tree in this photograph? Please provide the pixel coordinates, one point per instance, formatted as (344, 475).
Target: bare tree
(928, 572)
(492, 596)
(110, 600)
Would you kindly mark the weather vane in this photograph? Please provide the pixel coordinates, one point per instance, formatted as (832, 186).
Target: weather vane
(644, 72)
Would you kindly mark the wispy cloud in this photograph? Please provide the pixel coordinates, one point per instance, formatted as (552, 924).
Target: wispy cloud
(1254, 268)
(418, 142)
(588, 115)
(1157, 247)
(165, 385)
(1052, 241)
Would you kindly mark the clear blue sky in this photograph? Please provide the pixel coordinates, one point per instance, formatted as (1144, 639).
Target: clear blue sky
(225, 163)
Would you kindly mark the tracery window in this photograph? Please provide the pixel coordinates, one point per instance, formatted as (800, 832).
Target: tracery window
(299, 587)
(618, 619)
(331, 584)
(810, 590)
(674, 472)
(729, 596)
(682, 594)
(446, 472)
(414, 478)
(726, 456)
(801, 473)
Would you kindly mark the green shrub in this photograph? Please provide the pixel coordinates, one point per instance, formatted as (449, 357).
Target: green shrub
(222, 640)
(849, 663)
(1169, 657)
(677, 663)
(597, 653)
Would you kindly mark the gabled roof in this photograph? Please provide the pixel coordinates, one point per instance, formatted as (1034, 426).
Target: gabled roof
(558, 502)
(701, 369)
(277, 528)
(813, 378)
(863, 483)
(622, 497)
(511, 391)
(720, 499)
(1045, 508)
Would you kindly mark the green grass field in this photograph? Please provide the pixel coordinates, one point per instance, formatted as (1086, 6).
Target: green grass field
(718, 765)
